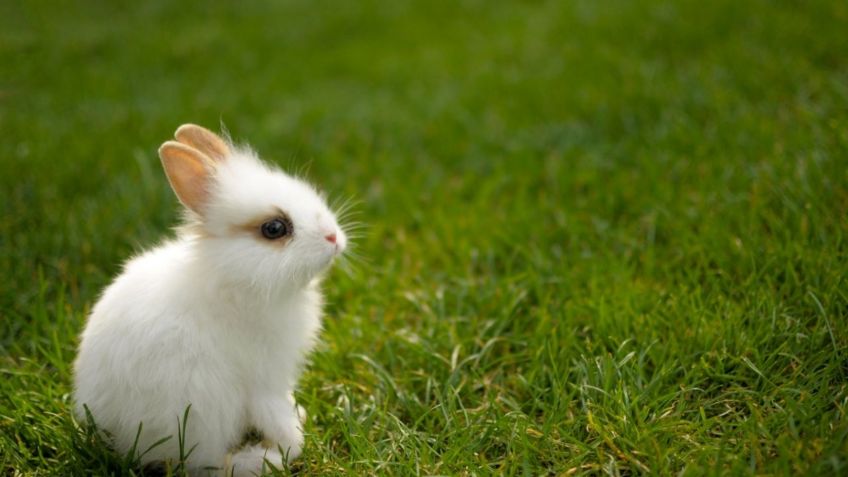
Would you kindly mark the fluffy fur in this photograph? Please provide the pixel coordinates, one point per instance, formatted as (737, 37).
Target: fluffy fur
(219, 318)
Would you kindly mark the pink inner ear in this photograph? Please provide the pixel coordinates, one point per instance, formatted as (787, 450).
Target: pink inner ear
(187, 172)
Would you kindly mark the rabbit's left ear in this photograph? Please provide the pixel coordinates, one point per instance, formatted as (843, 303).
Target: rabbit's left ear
(203, 140)
(189, 172)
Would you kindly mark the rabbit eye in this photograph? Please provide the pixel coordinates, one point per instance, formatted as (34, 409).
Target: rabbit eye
(276, 228)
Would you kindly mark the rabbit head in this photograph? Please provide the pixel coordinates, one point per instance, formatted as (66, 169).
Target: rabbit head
(251, 223)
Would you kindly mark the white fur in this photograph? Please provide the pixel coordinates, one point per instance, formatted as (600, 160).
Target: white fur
(216, 318)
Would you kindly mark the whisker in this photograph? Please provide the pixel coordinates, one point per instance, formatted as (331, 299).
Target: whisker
(351, 262)
(354, 229)
(343, 207)
(343, 201)
(352, 223)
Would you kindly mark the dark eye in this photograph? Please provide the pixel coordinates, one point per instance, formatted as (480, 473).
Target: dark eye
(276, 228)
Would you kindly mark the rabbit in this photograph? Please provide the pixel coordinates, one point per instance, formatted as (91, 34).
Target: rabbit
(216, 322)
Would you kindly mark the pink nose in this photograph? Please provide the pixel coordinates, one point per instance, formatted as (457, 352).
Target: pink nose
(331, 238)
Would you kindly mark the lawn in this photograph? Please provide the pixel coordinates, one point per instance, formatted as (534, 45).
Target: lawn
(603, 237)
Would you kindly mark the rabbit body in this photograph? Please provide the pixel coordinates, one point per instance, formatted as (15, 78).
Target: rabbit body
(219, 319)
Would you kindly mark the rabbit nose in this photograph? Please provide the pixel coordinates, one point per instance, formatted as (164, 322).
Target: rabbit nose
(330, 238)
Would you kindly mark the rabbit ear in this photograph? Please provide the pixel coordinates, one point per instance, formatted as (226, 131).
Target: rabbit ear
(203, 140)
(188, 171)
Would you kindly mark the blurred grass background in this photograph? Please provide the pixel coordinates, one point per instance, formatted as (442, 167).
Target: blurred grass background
(604, 237)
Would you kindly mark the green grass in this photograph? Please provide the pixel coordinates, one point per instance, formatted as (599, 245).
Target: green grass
(604, 237)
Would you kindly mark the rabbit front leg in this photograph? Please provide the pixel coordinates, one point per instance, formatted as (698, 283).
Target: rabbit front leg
(277, 419)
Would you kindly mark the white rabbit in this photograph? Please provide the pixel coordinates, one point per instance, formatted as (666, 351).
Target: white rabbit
(220, 318)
